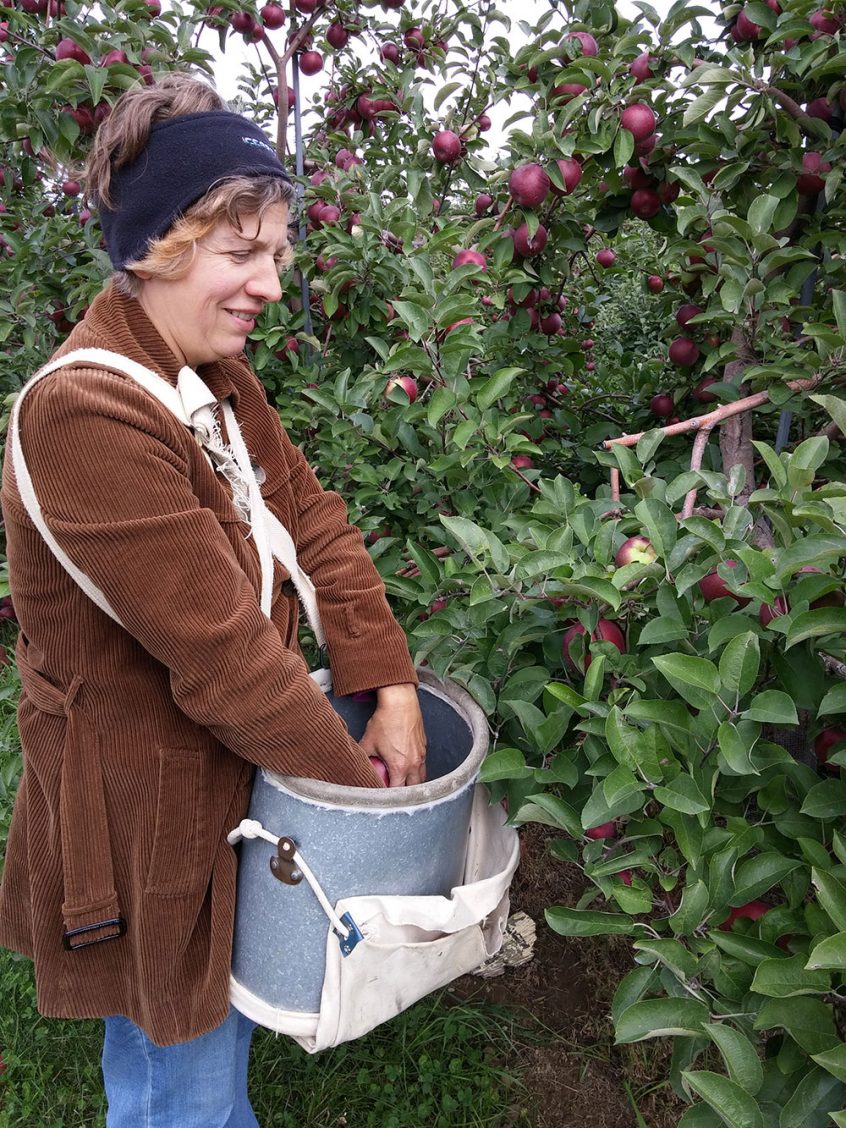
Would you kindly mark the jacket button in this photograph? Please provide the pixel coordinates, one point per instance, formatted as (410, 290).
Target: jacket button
(288, 587)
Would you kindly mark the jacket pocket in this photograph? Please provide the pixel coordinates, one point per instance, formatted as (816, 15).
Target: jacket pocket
(176, 865)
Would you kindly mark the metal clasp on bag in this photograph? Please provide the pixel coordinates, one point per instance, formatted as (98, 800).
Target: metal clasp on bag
(70, 943)
(353, 936)
(282, 864)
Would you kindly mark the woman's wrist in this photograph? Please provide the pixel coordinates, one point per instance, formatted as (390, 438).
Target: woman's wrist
(395, 694)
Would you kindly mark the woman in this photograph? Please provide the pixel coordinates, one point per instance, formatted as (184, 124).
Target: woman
(141, 727)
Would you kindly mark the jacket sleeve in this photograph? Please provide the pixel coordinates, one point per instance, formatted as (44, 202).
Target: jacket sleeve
(110, 468)
(367, 647)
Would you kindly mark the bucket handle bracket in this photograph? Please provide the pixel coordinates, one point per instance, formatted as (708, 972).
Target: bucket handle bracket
(283, 864)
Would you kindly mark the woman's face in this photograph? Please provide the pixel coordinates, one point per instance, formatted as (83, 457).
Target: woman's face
(207, 313)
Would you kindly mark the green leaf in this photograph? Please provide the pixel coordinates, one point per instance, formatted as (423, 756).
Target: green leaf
(683, 964)
(754, 876)
(783, 978)
(657, 1018)
(468, 534)
(774, 463)
(732, 1103)
(736, 742)
(738, 1053)
(549, 810)
(687, 670)
(739, 664)
(838, 299)
(808, 1021)
(581, 922)
(834, 1061)
(660, 524)
(829, 953)
(442, 401)
(814, 1098)
(831, 894)
(761, 212)
(661, 630)
(505, 763)
(496, 387)
(416, 317)
(825, 800)
(813, 624)
(834, 701)
(673, 714)
(772, 707)
(688, 916)
(682, 794)
(700, 107)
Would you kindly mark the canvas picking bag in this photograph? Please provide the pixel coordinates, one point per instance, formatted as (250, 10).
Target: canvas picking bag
(382, 952)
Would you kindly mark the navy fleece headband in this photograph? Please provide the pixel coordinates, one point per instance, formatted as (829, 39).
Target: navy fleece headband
(184, 157)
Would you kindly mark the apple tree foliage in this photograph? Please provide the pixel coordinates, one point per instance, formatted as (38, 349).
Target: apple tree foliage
(689, 755)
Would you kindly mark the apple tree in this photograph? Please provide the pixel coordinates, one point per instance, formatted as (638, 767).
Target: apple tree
(580, 387)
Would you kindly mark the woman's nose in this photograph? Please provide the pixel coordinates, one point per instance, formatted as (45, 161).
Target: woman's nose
(264, 282)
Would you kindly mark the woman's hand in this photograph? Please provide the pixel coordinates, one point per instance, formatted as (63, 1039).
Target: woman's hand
(395, 733)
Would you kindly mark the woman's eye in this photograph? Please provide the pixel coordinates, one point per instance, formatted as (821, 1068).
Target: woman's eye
(240, 256)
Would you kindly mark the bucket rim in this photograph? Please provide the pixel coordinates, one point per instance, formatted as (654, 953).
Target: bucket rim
(419, 794)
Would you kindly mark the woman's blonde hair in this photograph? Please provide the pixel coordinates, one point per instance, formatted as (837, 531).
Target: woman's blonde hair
(124, 135)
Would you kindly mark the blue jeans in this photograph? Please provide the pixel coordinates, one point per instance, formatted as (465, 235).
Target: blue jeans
(196, 1084)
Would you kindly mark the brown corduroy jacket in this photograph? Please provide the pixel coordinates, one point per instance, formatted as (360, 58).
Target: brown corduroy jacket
(140, 740)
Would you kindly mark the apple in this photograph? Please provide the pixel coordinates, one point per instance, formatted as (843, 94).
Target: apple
(662, 405)
(770, 611)
(414, 39)
(68, 49)
(311, 62)
(601, 832)
(713, 586)
(483, 123)
(645, 203)
(625, 876)
(571, 174)
(606, 257)
(272, 16)
(824, 744)
(644, 148)
(820, 108)
(389, 53)
(329, 214)
(637, 177)
(113, 57)
(337, 36)
(752, 910)
(446, 146)
(551, 324)
(242, 22)
(824, 22)
(470, 256)
(684, 352)
(154, 8)
(71, 187)
(641, 67)
(588, 343)
(588, 43)
(483, 202)
(668, 191)
(701, 394)
(606, 631)
(686, 312)
(529, 185)
(567, 90)
(639, 119)
(636, 550)
(744, 30)
(529, 246)
(655, 283)
(380, 768)
(522, 462)
(809, 182)
(407, 383)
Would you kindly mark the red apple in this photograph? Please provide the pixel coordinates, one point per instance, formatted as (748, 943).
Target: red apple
(407, 383)
(68, 49)
(655, 283)
(606, 257)
(686, 312)
(606, 631)
(820, 108)
(824, 744)
(483, 202)
(311, 62)
(774, 610)
(639, 119)
(571, 174)
(713, 586)
(824, 22)
(701, 394)
(522, 462)
(550, 324)
(529, 185)
(744, 30)
(484, 123)
(641, 67)
(446, 146)
(272, 16)
(527, 245)
(636, 550)
(809, 182)
(588, 43)
(567, 90)
(414, 39)
(389, 53)
(380, 768)
(468, 256)
(71, 187)
(684, 352)
(662, 405)
(601, 832)
(645, 203)
(752, 910)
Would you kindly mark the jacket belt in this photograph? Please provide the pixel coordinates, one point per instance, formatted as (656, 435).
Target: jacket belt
(90, 911)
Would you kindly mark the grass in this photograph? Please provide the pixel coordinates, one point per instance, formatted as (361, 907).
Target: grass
(436, 1065)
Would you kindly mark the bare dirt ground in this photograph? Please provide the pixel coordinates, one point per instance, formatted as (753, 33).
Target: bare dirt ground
(574, 1075)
